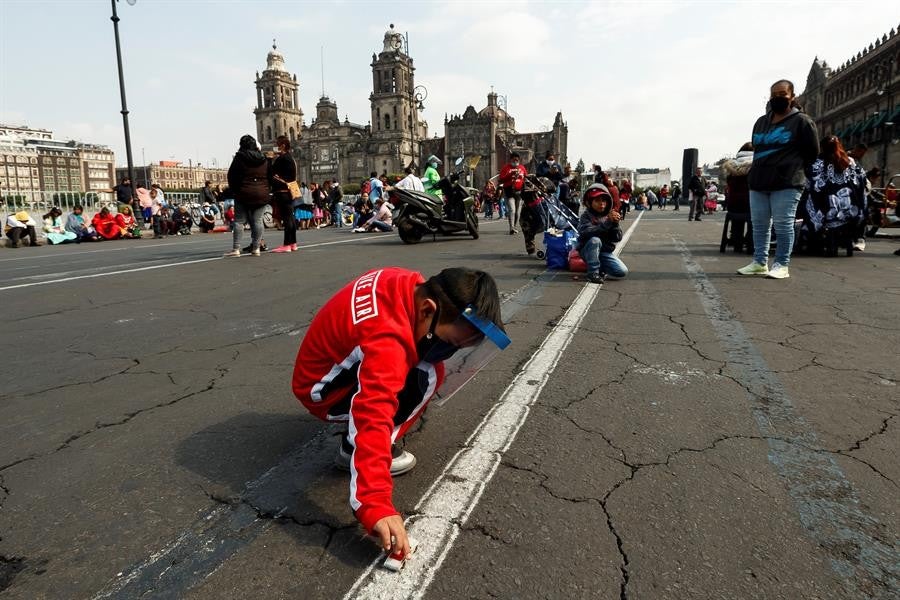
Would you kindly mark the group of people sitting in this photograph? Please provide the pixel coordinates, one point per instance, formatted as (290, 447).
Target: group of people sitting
(103, 226)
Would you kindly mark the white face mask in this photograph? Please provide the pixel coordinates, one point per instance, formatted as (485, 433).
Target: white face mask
(515, 164)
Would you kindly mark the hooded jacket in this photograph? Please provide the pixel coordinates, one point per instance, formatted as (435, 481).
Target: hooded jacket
(593, 224)
(736, 170)
(249, 174)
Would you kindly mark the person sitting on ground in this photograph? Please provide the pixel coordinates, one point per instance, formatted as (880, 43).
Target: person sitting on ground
(382, 221)
(598, 233)
(75, 224)
(128, 227)
(182, 221)
(20, 225)
(228, 217)
(54, 230)
(363, 208)
(104, 223)
(373, 356)
(208, 214)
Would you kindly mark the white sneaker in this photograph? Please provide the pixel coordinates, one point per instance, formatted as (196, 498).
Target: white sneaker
(860, 245)
(778, 272)
(255, 252)
(754, 268)
(233, 253)
(401, 460)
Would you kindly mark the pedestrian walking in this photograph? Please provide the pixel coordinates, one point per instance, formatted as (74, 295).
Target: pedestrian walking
(248, 178)
(785, 143)
(512, 179)
(676, 196)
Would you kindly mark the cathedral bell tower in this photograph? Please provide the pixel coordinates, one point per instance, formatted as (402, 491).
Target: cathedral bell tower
(396, 128)
(277, 103)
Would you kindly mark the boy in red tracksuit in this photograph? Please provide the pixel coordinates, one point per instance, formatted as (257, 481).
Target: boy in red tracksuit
(512, 179)
(373, 357)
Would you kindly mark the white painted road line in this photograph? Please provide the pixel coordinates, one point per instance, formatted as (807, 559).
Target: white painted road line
(449, 501)
(162, 266)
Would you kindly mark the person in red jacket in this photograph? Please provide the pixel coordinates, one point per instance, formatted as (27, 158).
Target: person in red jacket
(105, 225)
(512, 178)
(373, 357)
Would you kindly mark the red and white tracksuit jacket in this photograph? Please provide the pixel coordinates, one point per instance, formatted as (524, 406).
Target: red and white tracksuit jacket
(358, 363)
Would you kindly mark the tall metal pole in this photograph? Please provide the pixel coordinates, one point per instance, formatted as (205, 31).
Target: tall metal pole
(124, 111)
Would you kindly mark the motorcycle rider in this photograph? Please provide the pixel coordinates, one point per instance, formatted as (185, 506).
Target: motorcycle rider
(431, 177)
(512, 179)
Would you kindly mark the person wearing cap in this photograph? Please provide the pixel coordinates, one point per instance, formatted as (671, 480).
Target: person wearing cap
(208, 214)
(20, 225)
(598, 233)
(431, 177)
(373, 358)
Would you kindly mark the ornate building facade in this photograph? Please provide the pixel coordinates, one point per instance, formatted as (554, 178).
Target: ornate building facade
(277, 102)
(489, 136)
(395, 137)
(858, 101)
(329, 148)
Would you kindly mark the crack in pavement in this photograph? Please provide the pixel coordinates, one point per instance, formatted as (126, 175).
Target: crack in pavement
(222, 372)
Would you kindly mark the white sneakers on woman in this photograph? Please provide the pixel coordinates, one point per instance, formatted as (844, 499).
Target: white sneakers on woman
(777, 271)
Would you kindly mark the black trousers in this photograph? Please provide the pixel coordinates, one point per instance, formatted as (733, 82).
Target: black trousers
(286, 212)
(17, 233)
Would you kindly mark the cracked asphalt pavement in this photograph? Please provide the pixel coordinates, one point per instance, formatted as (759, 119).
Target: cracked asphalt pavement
(702, 436)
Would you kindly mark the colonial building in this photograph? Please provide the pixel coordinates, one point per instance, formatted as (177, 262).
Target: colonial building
(488, 137)
(173, 175)
(31, 160)
(277, 102)
(329, 148)
(858, 101)
(648, 177)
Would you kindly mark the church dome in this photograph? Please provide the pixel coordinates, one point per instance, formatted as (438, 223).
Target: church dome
(393, 40)
(275, 59)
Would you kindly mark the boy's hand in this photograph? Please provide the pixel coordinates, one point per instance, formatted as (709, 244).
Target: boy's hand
(614, 216)
(392, 535)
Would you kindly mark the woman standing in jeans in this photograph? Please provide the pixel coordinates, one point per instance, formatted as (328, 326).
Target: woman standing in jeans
(284, 171)
(785, 142)
(248, 178)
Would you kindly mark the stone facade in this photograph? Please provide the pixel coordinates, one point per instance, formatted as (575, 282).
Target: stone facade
(32, 161)
(329, 148)
(175, 176)
(858, 101)
(491, 135)
(277, 102)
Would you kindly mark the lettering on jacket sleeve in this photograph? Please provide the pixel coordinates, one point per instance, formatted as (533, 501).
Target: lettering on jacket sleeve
(364, 301)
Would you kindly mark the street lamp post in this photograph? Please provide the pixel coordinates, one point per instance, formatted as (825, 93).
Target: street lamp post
(419, 94)
(883, 74)
(124, 111)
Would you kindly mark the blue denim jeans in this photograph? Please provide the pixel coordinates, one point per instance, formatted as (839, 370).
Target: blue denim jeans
(602, 262)
(778, 209)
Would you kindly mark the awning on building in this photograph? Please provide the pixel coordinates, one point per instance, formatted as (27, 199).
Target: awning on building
(852, 129)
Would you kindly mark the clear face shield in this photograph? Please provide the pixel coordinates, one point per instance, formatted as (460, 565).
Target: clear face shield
(466, 362)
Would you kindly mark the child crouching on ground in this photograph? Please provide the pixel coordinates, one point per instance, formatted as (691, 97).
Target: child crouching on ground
(598, 232)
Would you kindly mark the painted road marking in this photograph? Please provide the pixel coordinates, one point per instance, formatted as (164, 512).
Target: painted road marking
(449, 501)
(151, 267)
(827, 503)
(219, 533)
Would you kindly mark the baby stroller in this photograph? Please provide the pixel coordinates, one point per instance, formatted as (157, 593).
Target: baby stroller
(560, 224)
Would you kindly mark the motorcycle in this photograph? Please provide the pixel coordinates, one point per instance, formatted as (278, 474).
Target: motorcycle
(419, 213)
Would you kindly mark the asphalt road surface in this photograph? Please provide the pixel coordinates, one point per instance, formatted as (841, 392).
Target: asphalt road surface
(683, 433)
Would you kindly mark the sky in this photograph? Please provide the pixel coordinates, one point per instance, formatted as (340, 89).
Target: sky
(636, 82)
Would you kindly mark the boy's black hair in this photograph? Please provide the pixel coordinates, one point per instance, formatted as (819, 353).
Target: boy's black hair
(456, 288)
(515, 155)
(373, 174)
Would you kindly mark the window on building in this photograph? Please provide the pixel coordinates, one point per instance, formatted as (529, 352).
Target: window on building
(387, 121)
(268, 133)
(291, 132)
